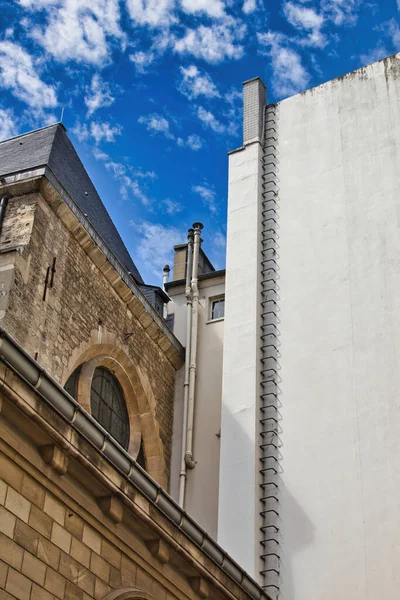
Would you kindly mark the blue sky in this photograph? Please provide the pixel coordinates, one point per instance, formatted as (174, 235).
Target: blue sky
(151, 91)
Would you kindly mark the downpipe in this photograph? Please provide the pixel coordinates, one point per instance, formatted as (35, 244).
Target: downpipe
(188, 294)
(190, 463)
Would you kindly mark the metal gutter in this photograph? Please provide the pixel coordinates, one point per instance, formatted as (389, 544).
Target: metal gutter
(14, 356)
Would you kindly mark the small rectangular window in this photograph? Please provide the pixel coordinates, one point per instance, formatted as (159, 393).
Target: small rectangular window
(217, 308)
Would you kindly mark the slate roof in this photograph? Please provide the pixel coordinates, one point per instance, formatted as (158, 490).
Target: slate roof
(52, 147)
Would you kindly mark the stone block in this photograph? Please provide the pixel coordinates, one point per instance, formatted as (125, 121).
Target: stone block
(48, 553)
(72, 592)
(61, 538)
(74, 525)
(26, 537)
(100, 567)
(3, 491)
(10, 552)
(3, 574)
(18, 585)
(80, 552)
(55, 584)
(33, 568)
(111, 554)
(39, 521)
(32, 491)
(54, 509)
(10, 472)
(17, 504)
(101, 589)
(38, 593)
(7, 522)
(91, 538)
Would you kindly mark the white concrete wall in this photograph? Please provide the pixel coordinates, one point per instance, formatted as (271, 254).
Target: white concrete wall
(202, 481)
(339, 288)
(238, 525)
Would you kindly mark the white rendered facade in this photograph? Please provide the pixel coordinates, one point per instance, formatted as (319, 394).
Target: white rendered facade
(333, 174)
(202, 482)
(309, 407)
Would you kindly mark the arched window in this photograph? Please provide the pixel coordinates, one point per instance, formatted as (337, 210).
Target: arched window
(71, 385)
(108, 405)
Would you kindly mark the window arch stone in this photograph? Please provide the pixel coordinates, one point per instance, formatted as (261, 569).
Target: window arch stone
(138, 395)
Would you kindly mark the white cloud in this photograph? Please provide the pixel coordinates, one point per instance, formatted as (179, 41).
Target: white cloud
(306, 19)
(18, 74)
(398, 4)
(98, 95)
(289, 74)
(8, 127)
(374, 55)
(213, 43)
(194, 142)
(302, 16)
(341, 12)
(156, 246)
(80, 30)
(98, 131)
(128, 185)
(210, 121)
(99, 154)
(207, 194)
(154, 13)
(219, 241)
(249, 6)
(195, 84)
(212, 8)
(142, 60)
(38, 3)
(172, 207)
(156, 124)
(393, 31)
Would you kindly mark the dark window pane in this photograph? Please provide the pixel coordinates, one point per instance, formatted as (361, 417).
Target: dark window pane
(72, 383)
(108, 405)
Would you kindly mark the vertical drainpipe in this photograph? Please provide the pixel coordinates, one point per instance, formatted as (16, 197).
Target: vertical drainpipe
(3, 206)
(166, 272)
(188, 294)
(190, 463)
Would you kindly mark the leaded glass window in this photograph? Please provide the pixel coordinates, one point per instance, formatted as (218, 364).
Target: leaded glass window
(71, 385)
(108, 405)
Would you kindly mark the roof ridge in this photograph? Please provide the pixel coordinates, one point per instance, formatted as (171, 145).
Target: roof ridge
(15, 137)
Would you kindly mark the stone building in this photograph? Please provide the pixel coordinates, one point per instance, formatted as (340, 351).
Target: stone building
(308, 399)
(87, 384)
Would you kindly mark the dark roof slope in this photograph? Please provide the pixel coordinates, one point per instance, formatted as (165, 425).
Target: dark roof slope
(52, 147)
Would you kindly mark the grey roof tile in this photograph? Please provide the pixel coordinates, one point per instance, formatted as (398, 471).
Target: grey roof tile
(52, 147)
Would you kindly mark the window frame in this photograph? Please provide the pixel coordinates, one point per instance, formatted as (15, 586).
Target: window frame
(117, 391)
(211, 302)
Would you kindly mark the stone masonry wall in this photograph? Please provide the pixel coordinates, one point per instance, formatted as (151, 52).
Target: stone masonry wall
(79, 305)
(49, 552)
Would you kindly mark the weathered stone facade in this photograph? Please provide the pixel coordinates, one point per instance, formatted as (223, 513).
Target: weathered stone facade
(72, 527)
(73, 315)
